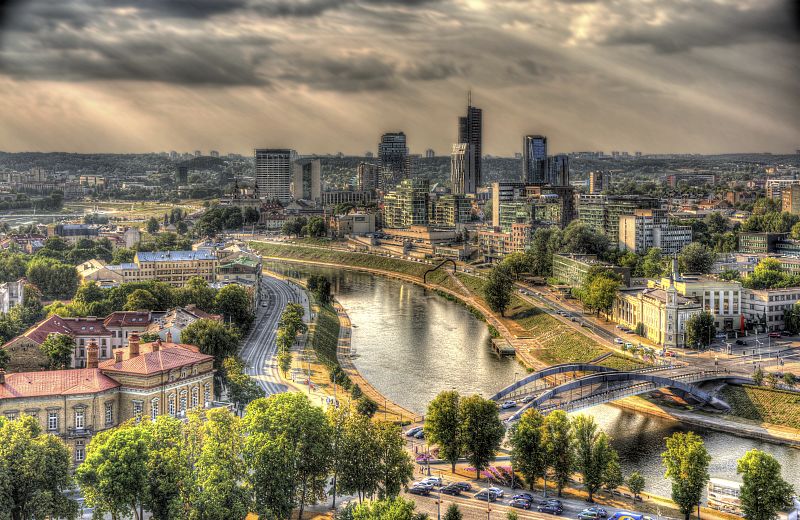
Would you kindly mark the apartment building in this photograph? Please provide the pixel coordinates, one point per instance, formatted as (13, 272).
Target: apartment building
(766, 307)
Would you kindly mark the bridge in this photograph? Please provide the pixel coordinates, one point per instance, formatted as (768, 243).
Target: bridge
(593, 384)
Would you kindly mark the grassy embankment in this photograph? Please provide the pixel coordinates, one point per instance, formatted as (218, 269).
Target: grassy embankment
(560, 343)
(764, 404)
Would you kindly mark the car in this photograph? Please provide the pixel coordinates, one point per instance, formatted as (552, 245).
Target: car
(587, 514)
(434, 481)
(264, 304)
(774, 334)
(413, 431)
(497, 491)
(553, 509)
(629, 345)
(523, 496)
(740, 342)
(422, 483)
(508, 404)
(553, 501)
(527, 399)
(785, 333)
(602, 513)
(485, 494)
(520, 503)
(619, 341)
(573, 318)
(420, 434)
(451, 489)
(463, 486)
(419, 490)
(669, 353)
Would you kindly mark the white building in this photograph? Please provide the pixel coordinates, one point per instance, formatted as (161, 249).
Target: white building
(766, 306)
(462, 169)
(274, 173)
(11, 294)
(648, 228)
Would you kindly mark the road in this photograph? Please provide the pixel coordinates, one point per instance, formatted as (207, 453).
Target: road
(258, 350)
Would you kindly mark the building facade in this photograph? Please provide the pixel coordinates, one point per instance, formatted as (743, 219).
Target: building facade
(395, 164)
(470, 131)
(766, 307)
(463, 176)
(648, 228)
(572, 269)
(273, 169)
(597, 182)
(11, 295)
(306, 180)
(407, 205)
(534, 159)
(367, 176)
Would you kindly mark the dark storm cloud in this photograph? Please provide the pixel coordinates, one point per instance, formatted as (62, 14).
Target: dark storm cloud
(431, 71)
(711, 24)
(344, 74)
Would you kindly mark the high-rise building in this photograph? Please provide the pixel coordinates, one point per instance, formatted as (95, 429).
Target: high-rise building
(182, 176)
(648, 228)
(790, 199)
(367, 176)
(274, 173)
(306, 180)
(534, 159)
(393, 159)
(558, 170)
(470, 130)
(407, 205)
(429, 153)
(462, 169)
(596, 182)
(198, 153)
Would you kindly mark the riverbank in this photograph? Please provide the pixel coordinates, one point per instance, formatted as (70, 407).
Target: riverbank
(763, 431)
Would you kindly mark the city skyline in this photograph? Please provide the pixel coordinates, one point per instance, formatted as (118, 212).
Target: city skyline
(149, 76)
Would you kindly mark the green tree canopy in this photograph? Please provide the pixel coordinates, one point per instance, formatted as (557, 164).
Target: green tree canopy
(593, 454)
(696, 258)
(140, 300)
(212, 338)
(498, 289)
(764, 492)
(700, 329)
(686, 461)
(528, 453)
(558, 441)
(234, 303)
(481, 431)
(443, 426)
(59, 349)
(55, 279)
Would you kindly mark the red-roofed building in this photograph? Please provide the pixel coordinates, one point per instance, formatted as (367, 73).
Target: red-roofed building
(141, 380)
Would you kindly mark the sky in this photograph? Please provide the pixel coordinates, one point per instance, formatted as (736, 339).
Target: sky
(324, 76)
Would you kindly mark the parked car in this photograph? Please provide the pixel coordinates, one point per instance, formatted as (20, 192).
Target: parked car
(786, 333)
(670, 353)
(740, 342)
(618, 341)
(629, 345)
(553, 509)
(422, 483)
(433, 481)
(508, 404)
(524, 496)
(451, 489)
(485, 494)
(497, 491)
(413, 431)
(520, 503)
(419, 490)
(774, 334)
(599, 510)
(420, 434)
(463, 486)
(527, 399)
(586, 514)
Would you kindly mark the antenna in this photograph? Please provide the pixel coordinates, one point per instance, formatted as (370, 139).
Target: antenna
(469, 98)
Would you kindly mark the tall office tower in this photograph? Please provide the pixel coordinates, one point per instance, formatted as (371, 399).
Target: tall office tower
(429, 153)
(393, 159)
(558, 170)
(790, 199)
(596, 183)
(534, 159)
(367, 176)
(306, 180)
(214, 153)
(470, 130)
(182, 176)
(274, 173)
(462, 169)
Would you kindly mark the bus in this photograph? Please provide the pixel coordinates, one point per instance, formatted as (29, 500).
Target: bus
(724, 495)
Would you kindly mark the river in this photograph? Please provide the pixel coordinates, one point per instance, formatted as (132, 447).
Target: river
(411, 344)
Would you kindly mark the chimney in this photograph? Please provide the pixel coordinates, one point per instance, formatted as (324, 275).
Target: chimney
(156, 345)
(133, 345)
(2, 376)
(92, 355)
(169, 336)
(118, 356)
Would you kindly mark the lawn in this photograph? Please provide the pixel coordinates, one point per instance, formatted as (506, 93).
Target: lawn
(325, 335)
(763, 404)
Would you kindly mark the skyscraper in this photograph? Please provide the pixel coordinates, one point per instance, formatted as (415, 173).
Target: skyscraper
(534, 159)
(558, 170)
(307, 180)
(430, 153)
(596, 182)
(274, 173)
(470, 130)
(367, 176)
(462, 169)
(393, 159)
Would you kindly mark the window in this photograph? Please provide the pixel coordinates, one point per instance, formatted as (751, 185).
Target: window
(52, 421)
(109, 414)
(154, 408)
(80, 452)
(183, 402)
(195, 397)
(183, 373)
(206, 393)
(80, 420)
(137, 409)
(172, 405)
(11, 415)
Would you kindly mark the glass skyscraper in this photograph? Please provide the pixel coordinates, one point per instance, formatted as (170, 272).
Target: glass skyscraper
(534, 159)
(470, 131)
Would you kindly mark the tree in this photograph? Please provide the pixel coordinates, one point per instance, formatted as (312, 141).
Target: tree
(235, 304)
(764, 492)
(498, 289)
(359, 468)
(612, 476)
(140, 300)
(153, 226)
(59, 349)
(196, 292)
(320, 287)
(653, 263)
(772, 380)
(212, 338)
(558, 442)
(512, 515)
(758, 376)
(90, 292)
(686, 461)
(481, 431)
(56, 280)
(288, 446)
(789, 379)
(593, 453)
(316, 227)
(636, 484)
(579, 238)
(443, 426)
(389, 509)
(696, 258)
(242, 389)
(35, 471)
(599, 291)
(700, 329)
(167, 471)
(528, 454)
(517, 263)
(453, 513)
(114, 475)
(396, 466)
(5, 359)
(791, 318)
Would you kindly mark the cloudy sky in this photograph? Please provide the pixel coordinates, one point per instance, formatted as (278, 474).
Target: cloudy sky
(324, 76)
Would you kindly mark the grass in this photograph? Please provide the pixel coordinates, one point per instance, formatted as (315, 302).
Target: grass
(763, 404)
(325, 335)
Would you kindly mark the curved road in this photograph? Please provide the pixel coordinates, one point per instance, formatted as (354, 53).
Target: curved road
(258, 350)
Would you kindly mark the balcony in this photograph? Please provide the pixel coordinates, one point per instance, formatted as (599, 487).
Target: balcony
(76, 433)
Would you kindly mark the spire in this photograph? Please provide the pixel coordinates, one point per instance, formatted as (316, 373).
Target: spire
(469, 98)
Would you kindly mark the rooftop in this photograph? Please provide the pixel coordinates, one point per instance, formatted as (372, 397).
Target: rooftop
(167, 357)
(169, 256)
(55, 382)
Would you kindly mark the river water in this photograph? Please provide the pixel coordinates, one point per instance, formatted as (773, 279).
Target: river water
(411, 344)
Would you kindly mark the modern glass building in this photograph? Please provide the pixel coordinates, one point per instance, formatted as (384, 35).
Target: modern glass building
(534, 159)
(470, 131)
